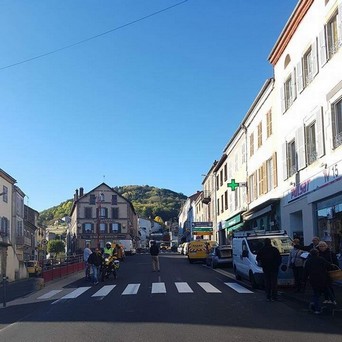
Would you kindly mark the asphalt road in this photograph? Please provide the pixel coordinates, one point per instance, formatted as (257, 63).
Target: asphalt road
(184, 302)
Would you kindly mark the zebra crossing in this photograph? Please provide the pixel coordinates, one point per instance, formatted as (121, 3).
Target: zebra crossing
(133, 289)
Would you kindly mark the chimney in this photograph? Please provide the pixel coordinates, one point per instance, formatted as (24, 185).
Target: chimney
(81, 192)
(76, 195)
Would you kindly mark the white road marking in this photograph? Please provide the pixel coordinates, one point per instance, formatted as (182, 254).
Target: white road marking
(158, 288)
(76, 293)
(131, 289)
(183, 288)
(207, 287)
(49, 294)
(103, 291)
(238, 288)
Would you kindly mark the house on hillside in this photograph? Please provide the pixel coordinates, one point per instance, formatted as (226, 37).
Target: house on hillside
(98, 216)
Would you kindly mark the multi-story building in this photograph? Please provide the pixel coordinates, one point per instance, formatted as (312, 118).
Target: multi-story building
(307, 60)
(99, 216)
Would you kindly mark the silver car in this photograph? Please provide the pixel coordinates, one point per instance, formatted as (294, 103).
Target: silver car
(220, 256)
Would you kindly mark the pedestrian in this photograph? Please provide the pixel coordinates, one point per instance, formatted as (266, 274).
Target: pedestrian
(325, 252)
(313, 244)
(270, 259)
(95, 260)
(154, 251)
(316, 269)
(86, 253)
(296, 263)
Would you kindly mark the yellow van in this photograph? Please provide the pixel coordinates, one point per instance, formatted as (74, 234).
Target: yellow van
(198, 249)
(33, 268)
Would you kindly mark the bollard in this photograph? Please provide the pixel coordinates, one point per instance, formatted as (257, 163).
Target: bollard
(4, 282)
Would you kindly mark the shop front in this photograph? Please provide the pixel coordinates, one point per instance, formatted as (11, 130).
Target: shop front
(232, 224)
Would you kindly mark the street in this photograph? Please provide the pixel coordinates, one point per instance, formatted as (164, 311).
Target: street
(184, 302)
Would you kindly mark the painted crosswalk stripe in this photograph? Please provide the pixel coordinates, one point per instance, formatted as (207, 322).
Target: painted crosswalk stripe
(183, 287)
(49, 294)
(207, 287)
(76, 293)
(131, 289)
(238, 288)
(103, 291)
(158, 288)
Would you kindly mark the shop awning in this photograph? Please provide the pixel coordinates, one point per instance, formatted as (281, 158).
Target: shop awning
(237, 226)
(259, 210)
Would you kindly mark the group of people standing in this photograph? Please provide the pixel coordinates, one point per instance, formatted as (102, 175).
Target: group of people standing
(314, 266)
(94, 259)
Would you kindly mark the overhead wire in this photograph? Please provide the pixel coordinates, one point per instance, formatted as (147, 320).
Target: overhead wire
(92, 37)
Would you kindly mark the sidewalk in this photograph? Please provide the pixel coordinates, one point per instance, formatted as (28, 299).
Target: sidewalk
(20, 288)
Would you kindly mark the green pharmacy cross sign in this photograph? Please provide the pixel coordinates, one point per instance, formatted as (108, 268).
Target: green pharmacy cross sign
(233, 185)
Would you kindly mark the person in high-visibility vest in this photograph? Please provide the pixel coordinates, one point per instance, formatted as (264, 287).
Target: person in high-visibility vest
(108, 249)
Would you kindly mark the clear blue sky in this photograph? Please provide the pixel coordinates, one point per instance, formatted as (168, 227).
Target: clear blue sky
(151, 103)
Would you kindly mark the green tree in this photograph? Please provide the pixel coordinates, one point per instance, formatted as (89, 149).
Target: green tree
(56, 246)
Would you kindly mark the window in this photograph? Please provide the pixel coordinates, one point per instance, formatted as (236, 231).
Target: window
(226, 200)
(103, 212)
(221, 177)
(243, 153)
(115, 213)
(88, 228)
(336, 116)
(103, 228)
(332, 35)
(310, 137)
(92, 199)
(5, 193)
(307, 67)
(269, 124)
(269, 175)
(116, 227)
(218, 206)
(88, 212)
(261, 180)
(225, 172)
(217, 182)
(251, 144)
(252, 187)
(291, 157)
(19, 228)
(259, 134)
(114, 199)
(222, 207)
(288, 92)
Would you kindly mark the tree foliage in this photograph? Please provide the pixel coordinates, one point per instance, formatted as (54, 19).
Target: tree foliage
(56, 247)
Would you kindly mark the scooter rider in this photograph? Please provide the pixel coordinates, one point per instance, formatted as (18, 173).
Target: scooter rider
(108, 250)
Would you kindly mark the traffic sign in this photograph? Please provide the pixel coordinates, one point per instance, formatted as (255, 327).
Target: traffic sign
(44, 242)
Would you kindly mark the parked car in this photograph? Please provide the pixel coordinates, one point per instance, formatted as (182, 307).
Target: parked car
(220, 256)
(33, 268)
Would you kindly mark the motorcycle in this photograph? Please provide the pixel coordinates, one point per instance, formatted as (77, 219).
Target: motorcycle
(110, 265)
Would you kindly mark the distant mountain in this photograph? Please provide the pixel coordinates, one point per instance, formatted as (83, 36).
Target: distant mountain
(148, 202)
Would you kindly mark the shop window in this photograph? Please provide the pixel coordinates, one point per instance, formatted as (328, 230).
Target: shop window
(310, 137)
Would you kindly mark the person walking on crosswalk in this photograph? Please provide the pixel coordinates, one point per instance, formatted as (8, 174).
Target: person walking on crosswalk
(154, 251)
(95, 260)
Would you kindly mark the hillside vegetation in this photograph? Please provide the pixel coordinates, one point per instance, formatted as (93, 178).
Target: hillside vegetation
(148, 202)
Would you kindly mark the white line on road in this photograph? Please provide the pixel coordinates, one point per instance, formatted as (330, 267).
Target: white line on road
(158, 288)
(49, 294)
(131, 289)
(76, 293)
(238, 288)
(103, 291)
(207, 287)
(183, 288)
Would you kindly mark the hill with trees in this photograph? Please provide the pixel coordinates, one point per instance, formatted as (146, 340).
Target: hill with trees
(148, 202)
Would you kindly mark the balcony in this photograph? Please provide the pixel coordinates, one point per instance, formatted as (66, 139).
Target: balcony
(206, 199)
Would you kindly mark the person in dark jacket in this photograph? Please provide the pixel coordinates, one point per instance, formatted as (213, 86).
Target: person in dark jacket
(95, 260)
(330, 257)
(270, 260)
(316, 269)
(154, 251)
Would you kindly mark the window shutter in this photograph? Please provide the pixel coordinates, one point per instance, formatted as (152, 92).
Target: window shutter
(319, 133)
(300, 83)
(314, 58)
(275, 170)
(264, 190)
(322, 48)
(284, 155)
(339, 24)
(300, 148)
(293, 86)
(255, 185)
(248, 195)
(282, 97)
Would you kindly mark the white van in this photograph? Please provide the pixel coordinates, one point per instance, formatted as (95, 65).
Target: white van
(247, 244)
(128, 246)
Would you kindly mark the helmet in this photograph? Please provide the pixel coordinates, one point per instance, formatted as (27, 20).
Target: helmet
(108, 244)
